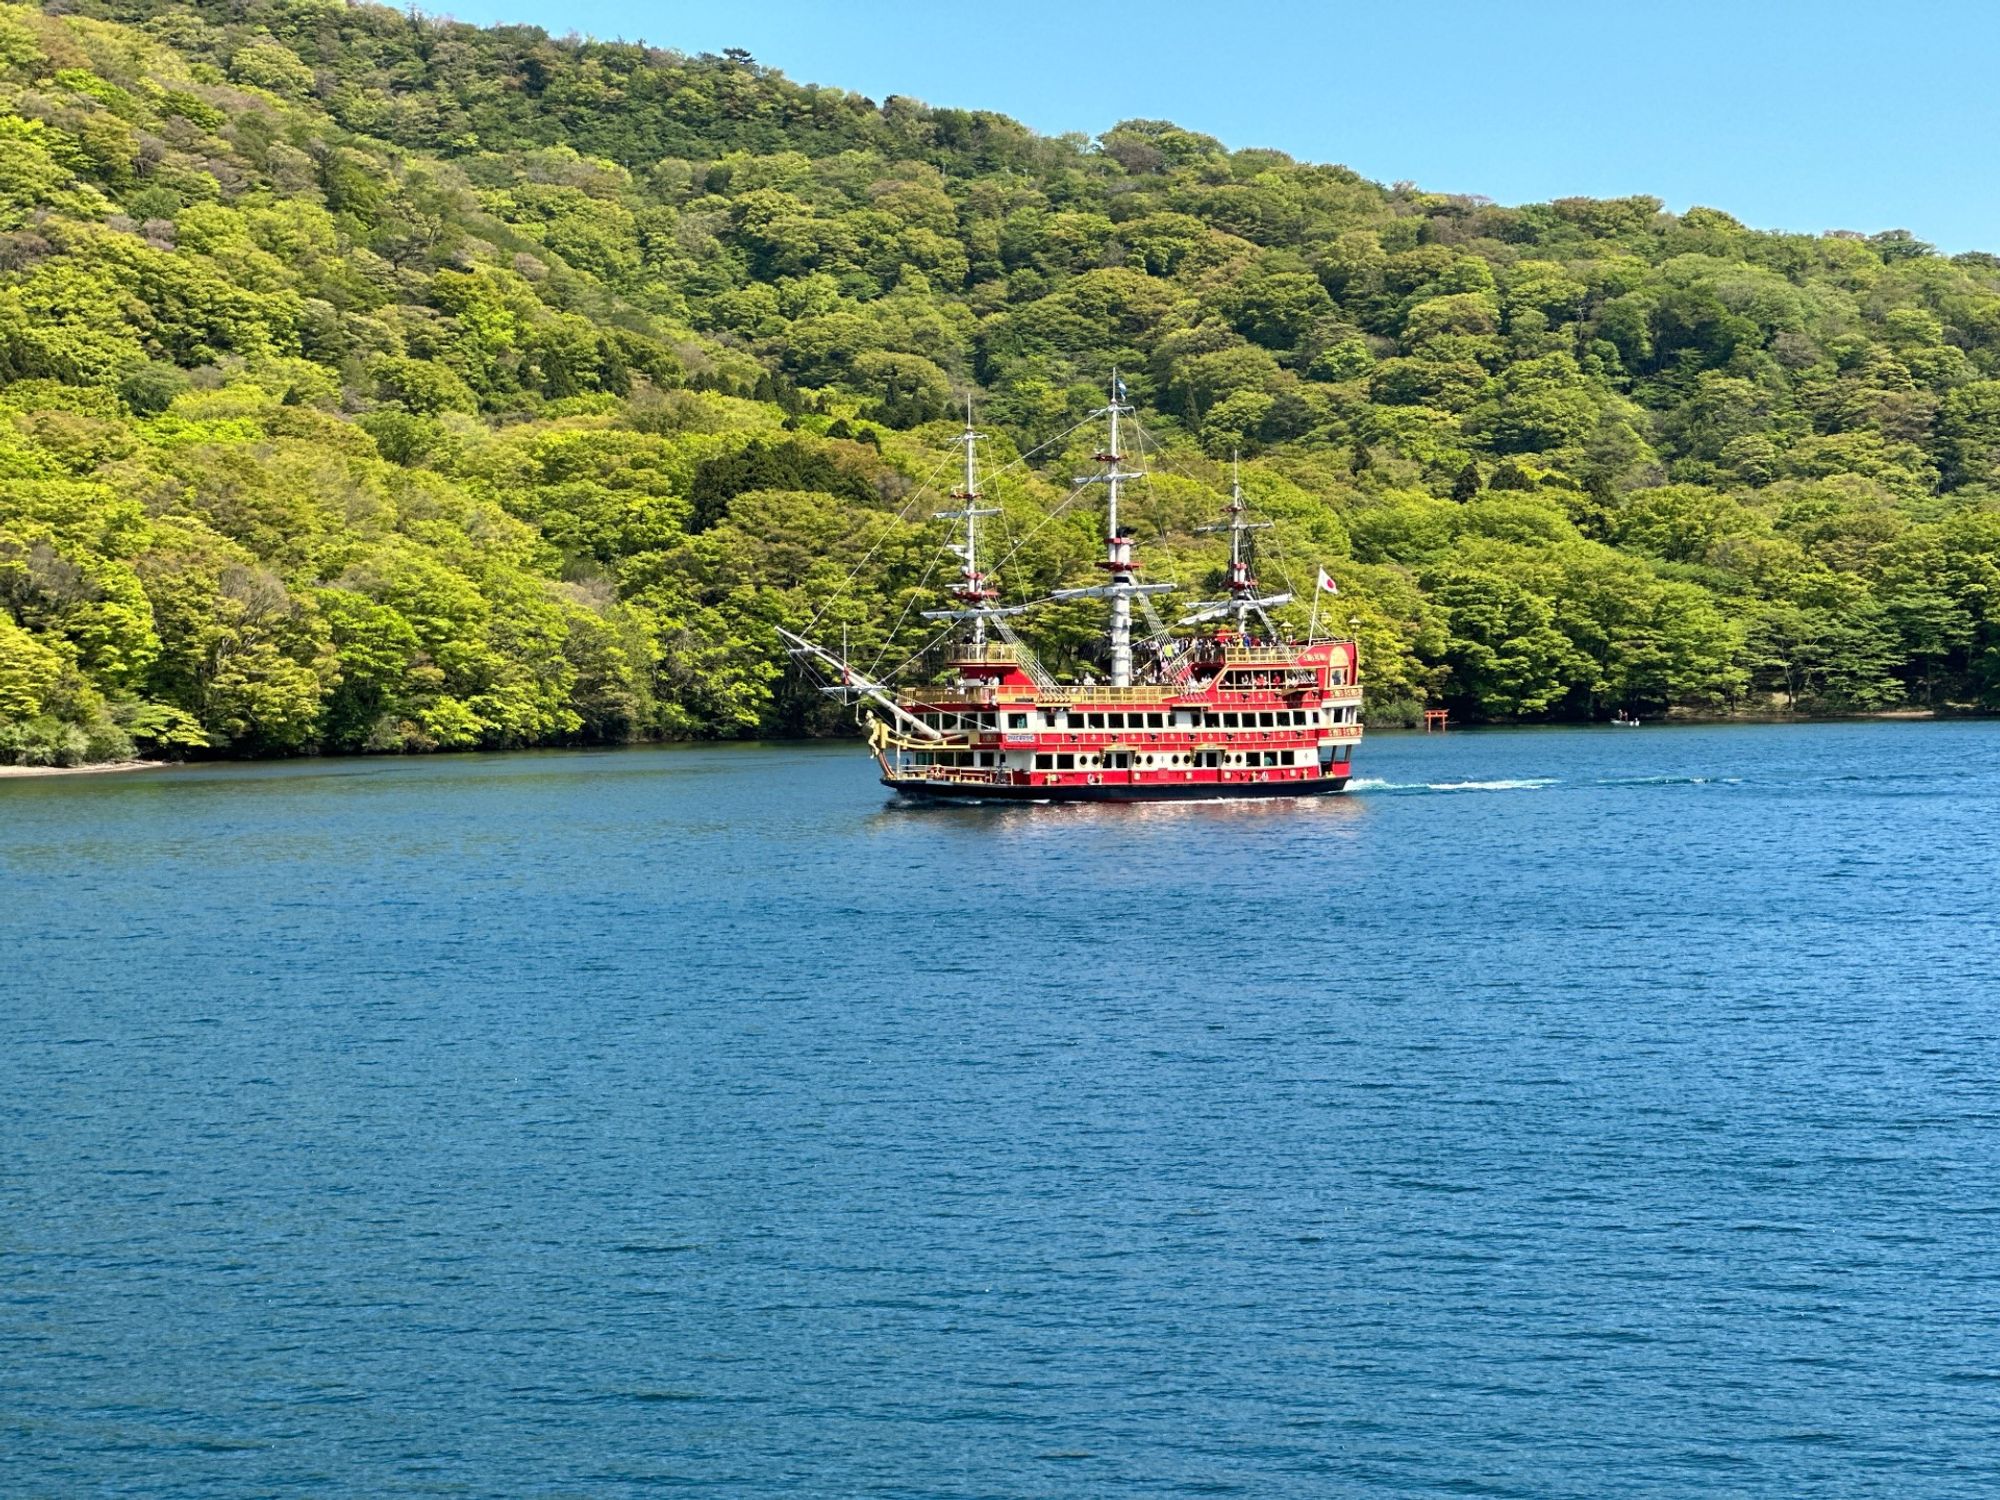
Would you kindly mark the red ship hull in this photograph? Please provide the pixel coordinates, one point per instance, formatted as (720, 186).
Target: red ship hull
(1211, 791)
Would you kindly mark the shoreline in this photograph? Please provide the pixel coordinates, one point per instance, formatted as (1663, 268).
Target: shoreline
(102, 768)
(1663, 721)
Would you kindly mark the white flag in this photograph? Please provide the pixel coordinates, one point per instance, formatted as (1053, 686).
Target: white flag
(1326, 584)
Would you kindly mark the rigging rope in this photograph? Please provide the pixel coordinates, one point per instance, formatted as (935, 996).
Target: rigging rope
(927, 487)
(1067, 502)
(848, 582)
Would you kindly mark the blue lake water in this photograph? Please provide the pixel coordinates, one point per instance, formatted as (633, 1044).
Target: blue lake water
(1562, 1114)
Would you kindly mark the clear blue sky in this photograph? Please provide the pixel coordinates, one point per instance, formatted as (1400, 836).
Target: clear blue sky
(1801, 116)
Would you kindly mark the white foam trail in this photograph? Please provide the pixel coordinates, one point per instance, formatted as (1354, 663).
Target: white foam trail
(1523, 784)
(1532, 783)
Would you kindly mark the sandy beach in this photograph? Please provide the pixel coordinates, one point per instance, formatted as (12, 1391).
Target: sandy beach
(98, 770)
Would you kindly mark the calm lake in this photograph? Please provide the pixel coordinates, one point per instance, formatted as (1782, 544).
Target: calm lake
(1570, 1113)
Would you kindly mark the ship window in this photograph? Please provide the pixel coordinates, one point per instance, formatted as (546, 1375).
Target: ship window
(986, 757)
(1287, 758)
(1065, 762)
(1017, 721)
(1149, 760)
(1156, 721)
(1097, 721)
(1045, 762)
(1117, 721)
(1265, 720)
(1229, 721)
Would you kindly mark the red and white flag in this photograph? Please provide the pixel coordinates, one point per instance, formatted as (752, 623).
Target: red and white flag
(1326, 584)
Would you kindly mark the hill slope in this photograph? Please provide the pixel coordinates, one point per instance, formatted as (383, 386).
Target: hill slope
(377, 383)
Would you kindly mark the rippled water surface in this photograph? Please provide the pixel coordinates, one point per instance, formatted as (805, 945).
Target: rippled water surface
(1567, 1113)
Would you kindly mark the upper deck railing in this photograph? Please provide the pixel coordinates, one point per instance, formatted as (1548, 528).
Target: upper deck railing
(993, 654)
(1261, 656)
(1068, 694)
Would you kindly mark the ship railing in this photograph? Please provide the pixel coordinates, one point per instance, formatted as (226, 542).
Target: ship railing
(982, 694)
(1068, 694)
(1261, 656)
(978, 774)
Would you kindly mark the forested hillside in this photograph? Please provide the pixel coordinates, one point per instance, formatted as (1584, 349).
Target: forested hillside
(375, 383)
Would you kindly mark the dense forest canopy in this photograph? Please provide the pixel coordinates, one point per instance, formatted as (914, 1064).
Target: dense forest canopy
(372, 382)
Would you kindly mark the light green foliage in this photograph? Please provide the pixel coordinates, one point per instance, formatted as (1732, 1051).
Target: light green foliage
(373, 382)
(29, 672)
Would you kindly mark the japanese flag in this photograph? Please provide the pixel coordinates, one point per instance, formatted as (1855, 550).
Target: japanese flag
(1326, 584)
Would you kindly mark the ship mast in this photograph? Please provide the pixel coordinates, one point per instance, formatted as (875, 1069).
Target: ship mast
(1244, 600)
(1117, 551)
(971, 590)
(974, 591)
(1121, 590)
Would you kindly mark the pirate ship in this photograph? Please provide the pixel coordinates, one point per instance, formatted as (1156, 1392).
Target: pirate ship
(1222, 705)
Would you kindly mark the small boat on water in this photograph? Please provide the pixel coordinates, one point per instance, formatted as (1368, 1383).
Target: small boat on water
(1222, 704)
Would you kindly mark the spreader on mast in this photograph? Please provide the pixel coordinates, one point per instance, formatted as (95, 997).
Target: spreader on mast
(1244, 600)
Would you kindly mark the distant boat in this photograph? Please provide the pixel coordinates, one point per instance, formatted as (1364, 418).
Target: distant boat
(1233, 709)
(1624, 720)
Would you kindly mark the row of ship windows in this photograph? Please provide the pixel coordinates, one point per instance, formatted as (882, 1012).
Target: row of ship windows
(1280, 718)
(1125, 760)
(1119, 760)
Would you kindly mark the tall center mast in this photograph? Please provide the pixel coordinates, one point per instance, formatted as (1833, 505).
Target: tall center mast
(1117, 550)
(1121, 589)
